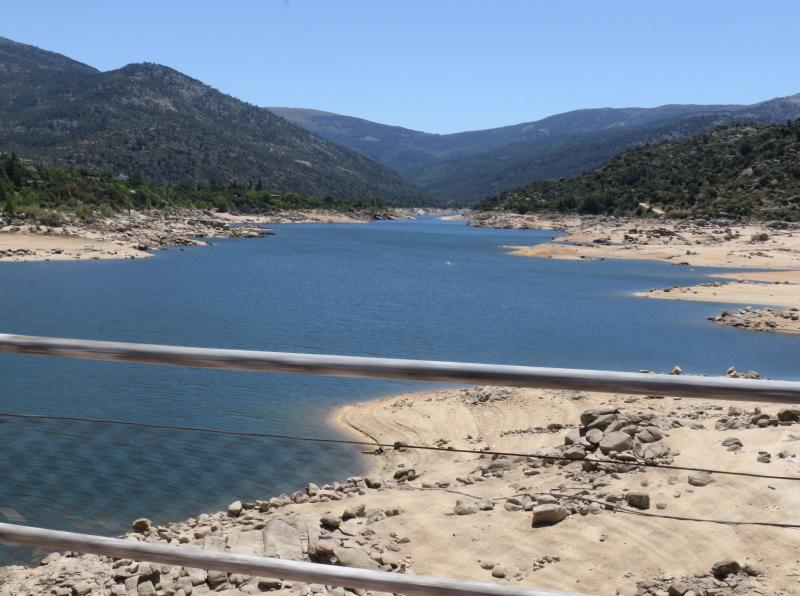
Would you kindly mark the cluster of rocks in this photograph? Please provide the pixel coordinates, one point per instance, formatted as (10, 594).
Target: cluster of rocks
(735, 444)
(726, 578)
(11, 253)
(161, 229)
(483, 395)
(346, 535)
(141, 230)
(761, 319)
(756, 418)
(512, 221)
(606, 433)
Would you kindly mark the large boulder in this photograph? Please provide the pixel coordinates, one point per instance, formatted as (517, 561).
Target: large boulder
(724, 568)
(549, 513)
(700, 479)
(354, 557)
(789, 415)
(465, 508)
(590, 416)
(616, 441)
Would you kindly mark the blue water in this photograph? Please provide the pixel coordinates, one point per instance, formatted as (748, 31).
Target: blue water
(420, 289)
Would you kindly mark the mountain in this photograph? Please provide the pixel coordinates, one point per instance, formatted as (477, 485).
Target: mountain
(733, 171)
(148, 120)
(467, 166)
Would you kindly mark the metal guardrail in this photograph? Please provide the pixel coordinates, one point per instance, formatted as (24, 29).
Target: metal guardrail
(417, 370)
(259, 566)
(420, 370)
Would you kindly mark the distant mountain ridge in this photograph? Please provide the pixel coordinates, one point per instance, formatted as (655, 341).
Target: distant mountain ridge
(152, 121)
(470, 165)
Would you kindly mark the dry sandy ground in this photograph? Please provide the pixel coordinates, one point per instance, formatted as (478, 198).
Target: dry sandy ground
(597, 553)
(745, 247)
(50, 247)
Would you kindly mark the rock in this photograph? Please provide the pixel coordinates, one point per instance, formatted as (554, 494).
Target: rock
(330, 521)
(638, 500)
(353, 557)
(549, 513)
(392, 510)
(141, 525)
(724, 568)
(235, 509)
(574, 452)
(590, 416)
(465, 508)
(484, 504)
(700, 479)
(572, 437)
(764, 457)
(652, 450)
(355, 511)
(678, 589)
(405, 474)
(732, 442)
(85, 587)
(676, 370)
(373, 481)
(197, 576)
(649, 434)
(312, 489)
(789, 415)
(752, 569)
(499, 571)
(594, 436)
(616, 441)
(216, 578)
(146, 589)
(266, 584)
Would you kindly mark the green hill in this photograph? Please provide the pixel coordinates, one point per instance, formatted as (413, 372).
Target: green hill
(150, 121)
(740, 170)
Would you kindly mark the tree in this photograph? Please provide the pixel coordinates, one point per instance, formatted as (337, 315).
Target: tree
(8, 198)
(15, 170)
(589, 206)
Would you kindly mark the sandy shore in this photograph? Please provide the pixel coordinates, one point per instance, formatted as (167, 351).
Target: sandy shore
(745, 247)
(605, 553)
(468, 515)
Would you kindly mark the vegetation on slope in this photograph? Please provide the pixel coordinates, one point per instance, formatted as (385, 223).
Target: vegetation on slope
(467, 166)
(741, 170)
(46, 193)
(149, 121)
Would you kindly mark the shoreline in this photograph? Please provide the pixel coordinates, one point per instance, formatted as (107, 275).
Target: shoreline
(766, 258)
(411, 507)
(134, 235)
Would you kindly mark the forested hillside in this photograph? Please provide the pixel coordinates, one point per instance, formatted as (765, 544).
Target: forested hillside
(733, 171)
(152, 122)
(47, 193)
(467, 166)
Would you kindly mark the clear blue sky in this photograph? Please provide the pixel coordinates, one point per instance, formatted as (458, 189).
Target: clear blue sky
(439, 65)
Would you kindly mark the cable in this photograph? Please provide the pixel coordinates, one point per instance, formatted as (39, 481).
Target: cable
(615, 507)
(675, 517)
(395, 445)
